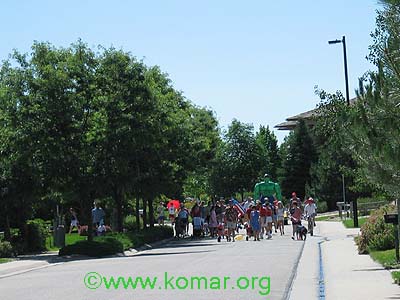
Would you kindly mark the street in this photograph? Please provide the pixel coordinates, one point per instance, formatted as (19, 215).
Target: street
(239, 270)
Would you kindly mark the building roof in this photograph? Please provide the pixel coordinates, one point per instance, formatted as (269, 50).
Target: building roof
(291, 122)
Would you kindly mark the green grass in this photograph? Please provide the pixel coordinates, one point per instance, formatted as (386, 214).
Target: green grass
(69, 240)
(5, 260)
(113, 243)
(396, 276)
(325, 218)
(349, 223)
(386, 258)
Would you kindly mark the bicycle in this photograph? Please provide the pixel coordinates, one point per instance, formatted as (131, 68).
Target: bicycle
(311, 224)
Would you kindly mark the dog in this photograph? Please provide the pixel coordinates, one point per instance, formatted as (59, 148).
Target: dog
(301, 232)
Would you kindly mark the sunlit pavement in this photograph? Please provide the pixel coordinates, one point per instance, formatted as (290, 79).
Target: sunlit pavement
(177, 266)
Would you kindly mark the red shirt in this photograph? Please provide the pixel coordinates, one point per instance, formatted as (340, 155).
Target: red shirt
(269, 212)
(263, 212)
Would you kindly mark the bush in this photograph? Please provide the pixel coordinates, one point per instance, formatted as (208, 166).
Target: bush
(102, 246)
(6, 250)
(375, 233)
(322, 207)
(149, 235)
(123, 238)
(36, 233)
(130, 223)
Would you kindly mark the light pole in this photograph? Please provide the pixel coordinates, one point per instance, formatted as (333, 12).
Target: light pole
(343, 41)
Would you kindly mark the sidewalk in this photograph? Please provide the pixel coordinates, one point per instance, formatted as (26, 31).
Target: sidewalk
(26, 263)
(346, 274)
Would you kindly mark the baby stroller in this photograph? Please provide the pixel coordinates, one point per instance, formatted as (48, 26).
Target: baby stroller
(249, 231)
(180, 227)
(197, 227)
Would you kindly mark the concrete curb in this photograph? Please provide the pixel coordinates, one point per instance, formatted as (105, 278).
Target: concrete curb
(289, 286)
(145, 247)
(54, 259)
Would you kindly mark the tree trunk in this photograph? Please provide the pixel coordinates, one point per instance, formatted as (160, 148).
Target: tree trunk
(151, 212)
(118, 198)
(88, 213)
(7, 230)
(144, 214)
(137, 212)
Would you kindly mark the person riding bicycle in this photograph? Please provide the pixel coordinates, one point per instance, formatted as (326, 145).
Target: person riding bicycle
(310, 210)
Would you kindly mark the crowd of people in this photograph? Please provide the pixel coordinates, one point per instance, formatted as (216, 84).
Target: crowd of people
(260, 218)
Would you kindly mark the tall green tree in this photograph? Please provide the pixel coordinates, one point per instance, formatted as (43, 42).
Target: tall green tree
(297, 157)
(269, 152)
(334, 163)
(236, 169)
(374, 123)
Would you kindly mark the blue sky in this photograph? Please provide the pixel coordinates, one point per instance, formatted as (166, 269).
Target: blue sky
(257, 61)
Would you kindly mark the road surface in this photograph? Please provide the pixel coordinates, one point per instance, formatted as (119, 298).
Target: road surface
(182, 269)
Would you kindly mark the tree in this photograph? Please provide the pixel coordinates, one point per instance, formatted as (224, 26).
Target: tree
(236, 167)
(374, 125)
(297, 156)
(269, 152)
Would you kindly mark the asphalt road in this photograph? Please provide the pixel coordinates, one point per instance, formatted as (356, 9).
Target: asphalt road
(184, 269)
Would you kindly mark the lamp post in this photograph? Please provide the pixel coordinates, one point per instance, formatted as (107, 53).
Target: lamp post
(343, 41)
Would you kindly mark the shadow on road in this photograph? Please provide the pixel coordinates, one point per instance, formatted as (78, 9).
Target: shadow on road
(170, 253)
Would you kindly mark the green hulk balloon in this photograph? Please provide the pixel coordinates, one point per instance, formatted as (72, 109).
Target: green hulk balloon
(267, 188)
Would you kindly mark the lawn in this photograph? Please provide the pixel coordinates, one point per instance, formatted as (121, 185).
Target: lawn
(117, 242)
(386, 258)
(69, 240)
(5, 260)
(349, 223)
(325, 218)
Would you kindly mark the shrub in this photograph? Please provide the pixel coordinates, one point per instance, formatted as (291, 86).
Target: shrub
(322, 207)
(6, 250)
(124, 239)
(102, 246)
(130, 223)
(36, 233)
(149, 235)
(375, 233)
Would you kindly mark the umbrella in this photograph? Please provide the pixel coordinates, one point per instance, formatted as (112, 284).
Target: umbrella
(174, 203)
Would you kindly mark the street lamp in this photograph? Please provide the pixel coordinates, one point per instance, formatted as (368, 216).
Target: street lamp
(343, 41)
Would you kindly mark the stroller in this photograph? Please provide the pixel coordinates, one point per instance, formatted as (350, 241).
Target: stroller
(197, 227)
(180, 227)
(249, 231)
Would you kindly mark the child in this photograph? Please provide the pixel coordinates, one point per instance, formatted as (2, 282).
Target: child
(280, 212)
(220, 231)
(249, 232)
(255, 223)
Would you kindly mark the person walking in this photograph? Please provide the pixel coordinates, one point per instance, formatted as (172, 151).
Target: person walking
(231, 218)
(98, 215)
(213, 223)
(280, 217)
(255, 222)
(160, 212)
(295, 213)
(74, 221)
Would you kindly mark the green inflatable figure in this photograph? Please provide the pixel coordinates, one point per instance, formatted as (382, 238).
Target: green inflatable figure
(268, 189)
